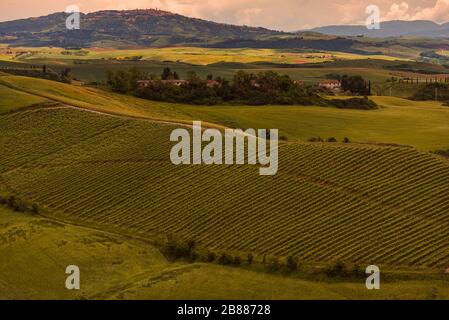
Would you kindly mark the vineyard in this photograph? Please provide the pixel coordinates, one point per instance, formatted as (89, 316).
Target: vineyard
(358, 203)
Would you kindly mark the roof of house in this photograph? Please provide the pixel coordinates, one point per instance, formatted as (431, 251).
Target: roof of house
(330, 81)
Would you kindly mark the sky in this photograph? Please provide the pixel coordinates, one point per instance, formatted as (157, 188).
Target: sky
(287, 15)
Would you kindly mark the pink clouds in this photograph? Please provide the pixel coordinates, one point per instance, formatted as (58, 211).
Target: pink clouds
(280, 14)
(438, 12)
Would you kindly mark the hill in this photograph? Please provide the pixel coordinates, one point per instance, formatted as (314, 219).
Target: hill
(399, 121)
(358, 203)
(123, 28)
(96, 166)
(117, 267)
(397, 28)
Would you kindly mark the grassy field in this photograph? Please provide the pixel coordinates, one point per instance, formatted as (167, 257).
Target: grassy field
(13, 99)
(116, 267)
(90, 64)
(424, 125)
(192, 55)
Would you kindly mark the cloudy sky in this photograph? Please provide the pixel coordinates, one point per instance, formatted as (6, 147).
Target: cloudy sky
(275, 14)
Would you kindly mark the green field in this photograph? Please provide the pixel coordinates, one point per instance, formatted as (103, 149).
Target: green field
(116, 267)
(424, 125)
(191, 55)
(90, 64)
(13, 99)
(97, 165)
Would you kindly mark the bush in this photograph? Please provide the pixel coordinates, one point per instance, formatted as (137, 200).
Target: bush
(211, 256)
(343, 269)
(292, 263)
(274, 265)
(176, 249)
(237, 260)
(354, 103)
(225, 259)
(19, 205)
(250, 259)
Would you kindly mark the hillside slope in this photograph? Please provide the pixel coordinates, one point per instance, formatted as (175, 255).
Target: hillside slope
(365, 204)
(132, 27)
(35, 252)
(397, 28)
(423, 124)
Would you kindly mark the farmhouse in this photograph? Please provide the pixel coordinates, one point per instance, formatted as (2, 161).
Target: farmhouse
(330, 84)
(213, 83)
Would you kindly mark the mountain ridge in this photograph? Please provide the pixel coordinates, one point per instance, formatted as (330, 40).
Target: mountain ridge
(393, 28)
(140, 27)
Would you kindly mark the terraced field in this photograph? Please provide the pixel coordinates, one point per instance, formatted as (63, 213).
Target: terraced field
(383, 205)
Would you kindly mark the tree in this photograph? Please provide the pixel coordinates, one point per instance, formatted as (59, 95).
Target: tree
(167, 74)
(66, 75)
(292, 263)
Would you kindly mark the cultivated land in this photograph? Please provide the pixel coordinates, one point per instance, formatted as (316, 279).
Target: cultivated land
(89, 64)
(117, 267)
(424, 125)
(97, 166)
(192, 55)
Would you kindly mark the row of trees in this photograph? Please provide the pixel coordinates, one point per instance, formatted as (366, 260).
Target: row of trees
(245, 88)
(176, 249)
(63, 75)
(19, 205)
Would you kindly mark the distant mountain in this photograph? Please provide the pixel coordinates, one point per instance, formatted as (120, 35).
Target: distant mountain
(417, 28)
(132, 27)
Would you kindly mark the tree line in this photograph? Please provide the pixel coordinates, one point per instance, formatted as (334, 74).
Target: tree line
(245, 88)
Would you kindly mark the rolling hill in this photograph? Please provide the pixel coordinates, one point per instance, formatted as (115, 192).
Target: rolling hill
(423, 125)
(123, 28)
(397, 28)
(117, 267)
(109, 169)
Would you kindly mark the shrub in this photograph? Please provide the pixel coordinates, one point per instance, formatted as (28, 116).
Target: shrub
(237, 260)
(250, 259)
(225, 259)
(274, 265)
(211, 256)
(354, 103)
(292, 263)
(19, 205)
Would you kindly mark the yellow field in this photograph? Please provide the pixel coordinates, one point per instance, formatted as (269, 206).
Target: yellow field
(193, 55)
